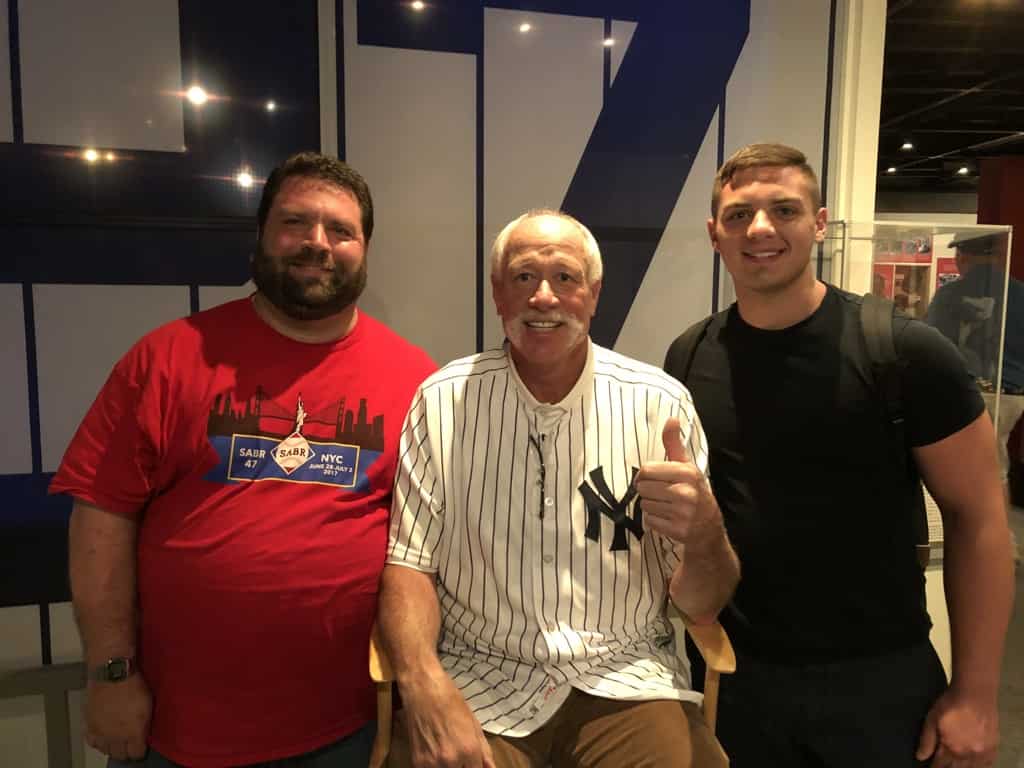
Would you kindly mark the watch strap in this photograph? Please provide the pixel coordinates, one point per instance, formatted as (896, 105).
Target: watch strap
(114, 670)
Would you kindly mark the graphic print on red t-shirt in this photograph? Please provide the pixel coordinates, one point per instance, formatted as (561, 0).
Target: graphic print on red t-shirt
(267, 440)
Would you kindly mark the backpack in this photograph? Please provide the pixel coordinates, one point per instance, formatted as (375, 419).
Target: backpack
(876, 315)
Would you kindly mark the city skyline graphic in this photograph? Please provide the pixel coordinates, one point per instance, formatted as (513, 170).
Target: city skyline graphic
(260, 416)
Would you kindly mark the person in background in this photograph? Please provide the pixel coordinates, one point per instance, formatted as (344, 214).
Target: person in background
(969, 311)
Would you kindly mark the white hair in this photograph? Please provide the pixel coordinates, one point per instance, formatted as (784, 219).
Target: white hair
(591, 252)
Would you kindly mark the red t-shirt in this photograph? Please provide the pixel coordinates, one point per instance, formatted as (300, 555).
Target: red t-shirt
(260, 471)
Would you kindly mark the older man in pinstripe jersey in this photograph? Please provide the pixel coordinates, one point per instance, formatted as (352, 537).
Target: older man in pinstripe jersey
(549, 500)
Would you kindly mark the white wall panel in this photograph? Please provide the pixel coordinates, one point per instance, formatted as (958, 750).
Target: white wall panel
(16, 450)
(328, 55)
(81, 331)
(676, 291)
(6, 108)
(777, 91)
(542, 96)
(106, 73)
(214, 295)
(19, 638)
(64, 643)
(410, 129)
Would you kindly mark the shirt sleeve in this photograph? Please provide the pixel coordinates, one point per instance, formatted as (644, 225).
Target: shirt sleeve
(940, 395)
(417, 509)
(113, 458)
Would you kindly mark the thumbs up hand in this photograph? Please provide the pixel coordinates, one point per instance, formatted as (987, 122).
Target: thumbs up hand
(676, 498)
(672, 437)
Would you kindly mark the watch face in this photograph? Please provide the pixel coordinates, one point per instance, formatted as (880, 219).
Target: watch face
(117, 669)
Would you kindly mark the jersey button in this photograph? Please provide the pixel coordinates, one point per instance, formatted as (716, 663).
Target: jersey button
(549, 502)
(549, 559)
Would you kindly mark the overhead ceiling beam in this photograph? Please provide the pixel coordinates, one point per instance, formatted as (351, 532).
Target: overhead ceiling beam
(944, 50)
(980, 87)
(937, 89)
(1002, 131)
(981, 145)
(947, 21)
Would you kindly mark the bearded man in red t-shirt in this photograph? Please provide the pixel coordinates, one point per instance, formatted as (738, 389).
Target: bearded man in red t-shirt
(231, 489)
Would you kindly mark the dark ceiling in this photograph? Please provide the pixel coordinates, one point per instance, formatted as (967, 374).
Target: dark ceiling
(953, 86)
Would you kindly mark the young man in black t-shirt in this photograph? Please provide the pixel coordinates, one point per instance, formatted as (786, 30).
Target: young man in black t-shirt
(834, 663)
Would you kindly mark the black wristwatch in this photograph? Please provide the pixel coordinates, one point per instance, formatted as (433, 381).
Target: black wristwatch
(114, 670)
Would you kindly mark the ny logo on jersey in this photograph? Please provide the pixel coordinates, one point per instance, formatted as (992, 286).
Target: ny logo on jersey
(601, 501)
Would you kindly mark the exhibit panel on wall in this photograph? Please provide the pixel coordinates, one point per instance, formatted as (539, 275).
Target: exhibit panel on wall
(133, 168)
(117, 81)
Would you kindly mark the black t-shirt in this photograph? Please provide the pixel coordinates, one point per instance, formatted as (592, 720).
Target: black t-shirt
(817, 504)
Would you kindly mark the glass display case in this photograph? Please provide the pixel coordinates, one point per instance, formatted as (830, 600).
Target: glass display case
(957, 279)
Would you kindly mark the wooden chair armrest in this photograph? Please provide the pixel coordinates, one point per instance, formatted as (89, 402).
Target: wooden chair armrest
(383, 675)
(380, 664)
(714, 646)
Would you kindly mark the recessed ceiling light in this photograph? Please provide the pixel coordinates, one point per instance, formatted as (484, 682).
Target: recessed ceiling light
(90, 155)
(196, 95)
(244, 179)
(525, 27)
(891, 169)
(963, 170)
(271, 105)
(906, 146)
(418, 5)
(609, 42)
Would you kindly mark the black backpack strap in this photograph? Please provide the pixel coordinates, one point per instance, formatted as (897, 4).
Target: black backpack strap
(679, 358)
(685, 348)
(876, 315)
(876, 325)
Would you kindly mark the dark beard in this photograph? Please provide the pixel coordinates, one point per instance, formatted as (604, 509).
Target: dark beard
(305, 299)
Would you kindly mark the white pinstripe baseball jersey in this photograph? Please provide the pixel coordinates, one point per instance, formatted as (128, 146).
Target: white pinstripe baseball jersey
(525, 511)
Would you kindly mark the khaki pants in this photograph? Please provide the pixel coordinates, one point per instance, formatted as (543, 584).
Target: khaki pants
(591, 732)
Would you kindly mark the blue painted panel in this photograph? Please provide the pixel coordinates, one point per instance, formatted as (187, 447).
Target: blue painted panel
(455, 27)
(626, 10)
(33, 541)
(651, 127)
(136, 255)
